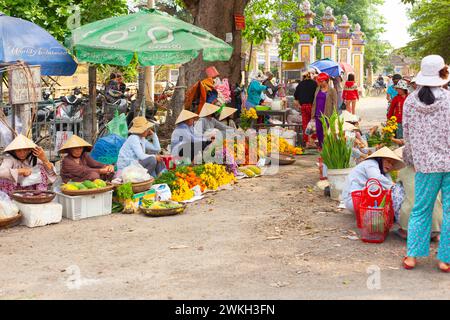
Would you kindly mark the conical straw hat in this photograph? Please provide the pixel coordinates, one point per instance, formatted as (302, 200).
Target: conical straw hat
(385, 152)
(226, 112)
(20, 142)
(349, 117)
(208, 109)
(140, 125)
(399, 152)
(75, 142)
(185, 115)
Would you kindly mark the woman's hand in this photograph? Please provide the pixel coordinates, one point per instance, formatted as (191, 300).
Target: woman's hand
(109, 169)
(24, 172)
(39, 153)
(104, 170)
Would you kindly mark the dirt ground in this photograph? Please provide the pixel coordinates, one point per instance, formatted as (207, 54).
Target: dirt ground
(272, 237)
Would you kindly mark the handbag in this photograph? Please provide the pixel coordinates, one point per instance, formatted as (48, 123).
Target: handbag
(343, 106)
(311, 128)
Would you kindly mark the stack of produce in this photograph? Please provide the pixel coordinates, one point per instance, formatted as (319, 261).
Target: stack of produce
(385, 137)
(250, 171)
(85, 185)
(184, 178)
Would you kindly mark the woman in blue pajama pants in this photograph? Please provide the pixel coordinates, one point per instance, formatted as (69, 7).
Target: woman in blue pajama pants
(427, 188)
(426, 130)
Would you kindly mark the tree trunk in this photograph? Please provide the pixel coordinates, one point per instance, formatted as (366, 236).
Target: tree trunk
(216, 17)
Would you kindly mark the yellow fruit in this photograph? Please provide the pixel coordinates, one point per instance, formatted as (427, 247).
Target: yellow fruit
(256, 170)
(69, 187)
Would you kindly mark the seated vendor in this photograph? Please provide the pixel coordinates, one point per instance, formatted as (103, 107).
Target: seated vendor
(138, 148)
(184, 142)
(25, 158)
(208, 122)
(78, 165)
(226, 117)
(255, 89)
(376, 166)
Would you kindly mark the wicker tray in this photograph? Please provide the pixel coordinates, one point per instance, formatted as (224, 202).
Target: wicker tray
(284, 159)
(139, 187)
(142, 186)
(10, 222)
(162, 212)
(75, 193)
(18, 196)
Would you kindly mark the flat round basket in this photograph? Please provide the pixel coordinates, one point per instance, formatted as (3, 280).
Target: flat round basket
(33, 197)
(284, 159)
(142, 186)
(74, 193)
(10, 222)
(162, 212)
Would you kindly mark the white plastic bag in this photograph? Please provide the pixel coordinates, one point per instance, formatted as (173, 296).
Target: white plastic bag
(135, 173)
(7, 208)
(34, 178)
(162, 192)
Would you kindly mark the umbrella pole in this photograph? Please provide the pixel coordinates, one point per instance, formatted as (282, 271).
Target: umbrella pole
(150, 71)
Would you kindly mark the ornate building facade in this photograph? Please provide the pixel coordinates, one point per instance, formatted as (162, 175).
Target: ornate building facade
(340, 43)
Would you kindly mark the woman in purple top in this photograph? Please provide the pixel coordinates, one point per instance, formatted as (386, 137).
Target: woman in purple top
(325, 102)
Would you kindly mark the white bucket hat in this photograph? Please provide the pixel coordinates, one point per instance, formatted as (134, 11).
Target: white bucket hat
(402, 84)
(429, 72)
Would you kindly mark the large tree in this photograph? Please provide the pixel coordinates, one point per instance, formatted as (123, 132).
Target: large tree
(217, 17)
(430, 28)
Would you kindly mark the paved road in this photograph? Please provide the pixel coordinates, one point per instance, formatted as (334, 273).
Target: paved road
(372, 111)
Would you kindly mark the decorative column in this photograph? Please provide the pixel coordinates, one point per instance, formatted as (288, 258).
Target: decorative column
(328, 49)
(344, 44)
(307, 45)
(358, 55)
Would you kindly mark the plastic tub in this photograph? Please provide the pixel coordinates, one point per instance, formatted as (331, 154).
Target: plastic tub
(87, 206)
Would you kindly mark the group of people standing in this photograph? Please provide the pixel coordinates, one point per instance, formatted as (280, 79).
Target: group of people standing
(424, 163)
(316, 97)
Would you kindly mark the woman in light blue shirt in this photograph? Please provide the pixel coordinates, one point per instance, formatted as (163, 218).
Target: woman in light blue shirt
(138, 148)
(184, 142)
(377, 166)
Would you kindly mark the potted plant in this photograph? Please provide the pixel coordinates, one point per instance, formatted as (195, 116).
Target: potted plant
(336, 153)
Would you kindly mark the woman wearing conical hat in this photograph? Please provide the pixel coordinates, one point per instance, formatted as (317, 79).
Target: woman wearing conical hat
(208, 122)
(24, 158)
(376, 166)
(78, 165)
(226, 117)
(184, 142)
(138, 148)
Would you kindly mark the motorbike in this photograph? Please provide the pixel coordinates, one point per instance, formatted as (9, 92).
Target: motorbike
(71, 107)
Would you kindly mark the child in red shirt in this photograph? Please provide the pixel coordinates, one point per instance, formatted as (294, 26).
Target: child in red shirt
(350, 94)
(396, 107)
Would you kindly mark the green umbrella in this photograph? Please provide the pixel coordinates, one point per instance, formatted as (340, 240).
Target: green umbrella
(154, 36)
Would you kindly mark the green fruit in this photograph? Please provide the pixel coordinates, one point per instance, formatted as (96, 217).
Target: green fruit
(100, 183)
(79, 186)
(89, 184)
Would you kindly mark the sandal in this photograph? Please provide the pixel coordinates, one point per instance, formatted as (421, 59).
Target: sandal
(407, 266)
(446, 270)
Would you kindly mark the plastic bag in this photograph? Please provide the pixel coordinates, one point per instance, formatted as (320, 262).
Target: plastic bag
(118, 125)
(311, 128)
(135, 173)
(162, 192)
(106, 150)
(34, 178)
(7, 208)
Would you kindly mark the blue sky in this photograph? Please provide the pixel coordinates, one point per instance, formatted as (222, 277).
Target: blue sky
(397, 23)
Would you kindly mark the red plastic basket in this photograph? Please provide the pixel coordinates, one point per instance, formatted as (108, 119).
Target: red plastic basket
(374, 223)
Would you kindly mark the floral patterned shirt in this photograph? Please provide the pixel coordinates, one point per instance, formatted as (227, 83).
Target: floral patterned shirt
(426, 130)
